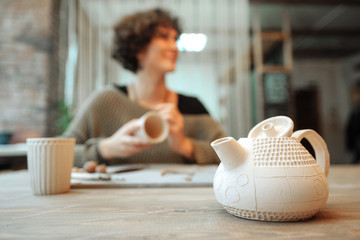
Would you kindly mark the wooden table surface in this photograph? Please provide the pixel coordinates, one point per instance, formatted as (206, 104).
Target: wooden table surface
(164, 213)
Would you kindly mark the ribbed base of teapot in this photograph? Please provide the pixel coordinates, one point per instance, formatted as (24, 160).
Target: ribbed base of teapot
(270, 216)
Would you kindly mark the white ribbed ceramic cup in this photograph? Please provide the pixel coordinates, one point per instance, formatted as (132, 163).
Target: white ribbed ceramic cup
(153, 127)
(50, 161)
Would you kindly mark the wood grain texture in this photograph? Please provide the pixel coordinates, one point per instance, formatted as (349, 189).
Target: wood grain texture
(164, 213)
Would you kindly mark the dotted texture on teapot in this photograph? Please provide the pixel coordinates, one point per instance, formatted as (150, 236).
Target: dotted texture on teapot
(280, 152)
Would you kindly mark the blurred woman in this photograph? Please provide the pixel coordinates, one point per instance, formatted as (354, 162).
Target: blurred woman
(144, 43)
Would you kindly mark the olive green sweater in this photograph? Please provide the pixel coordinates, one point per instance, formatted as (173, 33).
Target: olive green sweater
(109, 109)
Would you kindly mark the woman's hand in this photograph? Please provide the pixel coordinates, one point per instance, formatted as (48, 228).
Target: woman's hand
(123, 143)
(177, 140)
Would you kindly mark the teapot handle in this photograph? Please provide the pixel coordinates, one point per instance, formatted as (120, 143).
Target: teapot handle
(319, 146)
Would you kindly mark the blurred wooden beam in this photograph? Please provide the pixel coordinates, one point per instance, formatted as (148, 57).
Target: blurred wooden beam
(272, 36)
(344, 33)
(322, 2)
(325, 53)
(326, 32)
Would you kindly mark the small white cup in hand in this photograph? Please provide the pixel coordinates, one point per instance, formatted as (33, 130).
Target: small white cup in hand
(153, 127)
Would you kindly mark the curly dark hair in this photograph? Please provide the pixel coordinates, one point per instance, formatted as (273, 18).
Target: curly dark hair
(134, 32)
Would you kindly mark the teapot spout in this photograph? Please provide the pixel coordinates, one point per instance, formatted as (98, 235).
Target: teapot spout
(230, 152)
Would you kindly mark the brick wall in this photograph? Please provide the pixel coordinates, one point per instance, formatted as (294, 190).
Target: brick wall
(28, 82)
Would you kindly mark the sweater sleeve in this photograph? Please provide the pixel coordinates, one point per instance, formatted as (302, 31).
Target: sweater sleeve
(202, 130)
(82, 128)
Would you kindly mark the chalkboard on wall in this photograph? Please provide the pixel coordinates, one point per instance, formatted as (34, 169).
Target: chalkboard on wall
(276, 89)
(276, 94)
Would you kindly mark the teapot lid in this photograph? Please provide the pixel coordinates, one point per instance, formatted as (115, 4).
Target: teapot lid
(279, 126)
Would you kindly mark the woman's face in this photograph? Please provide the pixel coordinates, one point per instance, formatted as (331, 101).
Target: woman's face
(161, 53)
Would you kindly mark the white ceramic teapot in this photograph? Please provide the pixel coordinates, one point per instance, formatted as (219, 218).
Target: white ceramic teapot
(270, 176)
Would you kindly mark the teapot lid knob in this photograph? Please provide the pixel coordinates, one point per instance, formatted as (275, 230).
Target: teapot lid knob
(279, 126)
